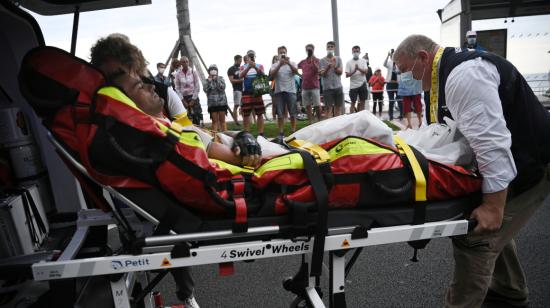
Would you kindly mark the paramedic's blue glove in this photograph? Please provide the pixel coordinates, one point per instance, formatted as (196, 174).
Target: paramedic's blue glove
(246, 146)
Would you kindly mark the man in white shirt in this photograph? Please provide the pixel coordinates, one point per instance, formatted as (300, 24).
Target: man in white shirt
(282, 72)
(509, 132)
(356, 70)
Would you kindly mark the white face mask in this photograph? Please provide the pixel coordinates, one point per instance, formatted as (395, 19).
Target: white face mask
(330, 52)
(213, 72)
(471, 41)
(355, 55)
(408, 80)
(161, 70)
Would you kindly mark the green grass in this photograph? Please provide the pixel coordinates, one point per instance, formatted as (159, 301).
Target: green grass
(391, 125)
(271, 130)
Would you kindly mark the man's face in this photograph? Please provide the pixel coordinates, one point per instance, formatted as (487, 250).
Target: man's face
(142, 94)
(281, 51)
(238, 61)
(330, 47)
(161, 69)
(420, 66)
(354, 50)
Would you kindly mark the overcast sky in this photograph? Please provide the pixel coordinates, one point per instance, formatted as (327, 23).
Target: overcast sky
(221, 29)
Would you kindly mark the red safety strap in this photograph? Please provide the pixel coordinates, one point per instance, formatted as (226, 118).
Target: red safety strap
(240, 224)
(227, 269)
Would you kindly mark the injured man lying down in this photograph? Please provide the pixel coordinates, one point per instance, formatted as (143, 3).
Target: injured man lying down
(244, 150)
(438, 142)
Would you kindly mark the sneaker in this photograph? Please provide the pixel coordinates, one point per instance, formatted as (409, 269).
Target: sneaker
(190, 302)
(494, 298)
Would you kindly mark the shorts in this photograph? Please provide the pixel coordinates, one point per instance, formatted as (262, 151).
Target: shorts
(361, 91)
(378, 96)
(250, 103)
(311, 97)
(237, 97)
(333, 97)
(285, 99)
(222, 108)
(412, 102)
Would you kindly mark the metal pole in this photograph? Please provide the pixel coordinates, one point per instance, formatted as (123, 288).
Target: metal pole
(75, 29)
(335, 26)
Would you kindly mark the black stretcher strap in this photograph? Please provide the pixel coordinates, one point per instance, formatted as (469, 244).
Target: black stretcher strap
(420, 207)
(321, 195)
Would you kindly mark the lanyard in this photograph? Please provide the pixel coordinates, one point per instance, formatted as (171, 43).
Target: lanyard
(434, 91)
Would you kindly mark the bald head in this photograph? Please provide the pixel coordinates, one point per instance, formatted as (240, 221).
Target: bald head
(416, 54)
(413, 44)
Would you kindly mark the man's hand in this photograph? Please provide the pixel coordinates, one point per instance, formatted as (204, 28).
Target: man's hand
(490, 213)
(246, 146)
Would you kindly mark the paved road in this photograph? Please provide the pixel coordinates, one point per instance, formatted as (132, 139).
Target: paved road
(383, 276)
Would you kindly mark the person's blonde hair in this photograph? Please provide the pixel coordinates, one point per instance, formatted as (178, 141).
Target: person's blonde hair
(412, 45)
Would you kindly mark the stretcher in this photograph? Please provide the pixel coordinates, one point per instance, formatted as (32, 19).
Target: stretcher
(182, 237)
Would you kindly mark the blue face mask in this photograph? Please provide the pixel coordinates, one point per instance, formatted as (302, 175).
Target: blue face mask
(408, 81)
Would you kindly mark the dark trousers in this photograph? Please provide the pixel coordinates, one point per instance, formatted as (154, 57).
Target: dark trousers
(391, 90)
(184, 282)
(377, 99)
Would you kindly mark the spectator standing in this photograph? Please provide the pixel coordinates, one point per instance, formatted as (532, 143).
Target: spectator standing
(233, 73)
(251, 103)
(369, 69)
(283, 72)
(159, 77)
(330, 71)
(311, 95)
(377, 84)
(187, 84)
(471, 41)
(392, 83)
(216, 99)
(272, 82)
(409, 89)
(356, 71)
(175, 67)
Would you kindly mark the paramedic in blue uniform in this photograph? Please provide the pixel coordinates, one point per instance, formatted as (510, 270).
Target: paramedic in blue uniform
(509, 132)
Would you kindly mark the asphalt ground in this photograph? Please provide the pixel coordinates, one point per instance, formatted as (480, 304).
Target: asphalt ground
(383, 276)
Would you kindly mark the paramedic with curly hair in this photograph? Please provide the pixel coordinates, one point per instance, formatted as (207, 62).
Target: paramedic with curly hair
(509, 132)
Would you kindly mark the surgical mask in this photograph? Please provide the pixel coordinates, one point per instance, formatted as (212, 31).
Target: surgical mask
(161, 70)
(213, 72)
(309, 52)
(471, 41)
(355, 55)
(408, 81)
(330, 52)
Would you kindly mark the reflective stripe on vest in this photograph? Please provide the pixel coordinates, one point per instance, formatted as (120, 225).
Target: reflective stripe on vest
(355, 146)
